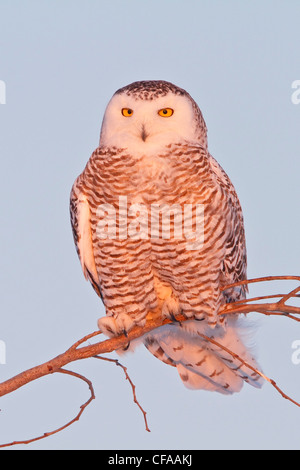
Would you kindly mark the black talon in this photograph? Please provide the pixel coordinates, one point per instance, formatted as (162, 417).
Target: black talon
(126, 336)
(174, 319)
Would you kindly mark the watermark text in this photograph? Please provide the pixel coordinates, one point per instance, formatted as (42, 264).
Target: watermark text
(296, 354)
(2, 92)
(139, 221)
(295, 97)
(2, 352)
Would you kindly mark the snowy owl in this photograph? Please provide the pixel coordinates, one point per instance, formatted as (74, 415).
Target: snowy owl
(159, 231)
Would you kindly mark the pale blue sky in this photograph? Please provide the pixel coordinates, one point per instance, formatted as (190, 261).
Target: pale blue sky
(61, 61)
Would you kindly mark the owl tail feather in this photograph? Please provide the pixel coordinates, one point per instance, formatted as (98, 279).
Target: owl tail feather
(202, 364)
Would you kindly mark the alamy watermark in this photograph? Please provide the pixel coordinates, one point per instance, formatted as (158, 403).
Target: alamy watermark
(2, 92)
(2, 352)
(296, 354)
(139, 221)
(295, 97)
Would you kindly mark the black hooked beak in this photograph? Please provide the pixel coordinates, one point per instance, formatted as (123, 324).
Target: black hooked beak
(144, 134)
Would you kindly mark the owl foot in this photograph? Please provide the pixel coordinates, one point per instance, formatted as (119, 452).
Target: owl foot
(114, 326)
(171, 308)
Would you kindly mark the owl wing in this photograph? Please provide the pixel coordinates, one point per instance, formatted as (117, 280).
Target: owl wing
(81, 227)
(235, 260)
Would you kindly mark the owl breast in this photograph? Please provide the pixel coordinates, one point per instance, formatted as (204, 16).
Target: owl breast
(149, 261)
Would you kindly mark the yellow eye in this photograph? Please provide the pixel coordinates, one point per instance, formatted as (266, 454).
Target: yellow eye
(166, 112)
(127, 112)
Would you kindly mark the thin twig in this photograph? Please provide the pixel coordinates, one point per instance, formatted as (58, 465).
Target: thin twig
(276, 308)
(236, 356)
(85, 338)
(289, 296)
(262, 279)
(82, 408)
(262, 297)
(131, 383)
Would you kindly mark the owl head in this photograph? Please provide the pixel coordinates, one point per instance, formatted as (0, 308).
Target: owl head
(145, 116)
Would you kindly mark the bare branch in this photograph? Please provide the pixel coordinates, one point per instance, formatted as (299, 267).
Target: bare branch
(274, 308)
(236, 356)
(78, 351)
(82, 408)
(131, 383)
(289, 296)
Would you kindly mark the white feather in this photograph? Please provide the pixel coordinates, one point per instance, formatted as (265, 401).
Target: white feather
(85, 247)
(202, 364)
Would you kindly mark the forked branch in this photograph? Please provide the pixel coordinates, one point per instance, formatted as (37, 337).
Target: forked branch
(76, 352)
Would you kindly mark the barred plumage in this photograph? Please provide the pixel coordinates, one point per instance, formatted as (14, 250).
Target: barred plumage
(146, 168)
